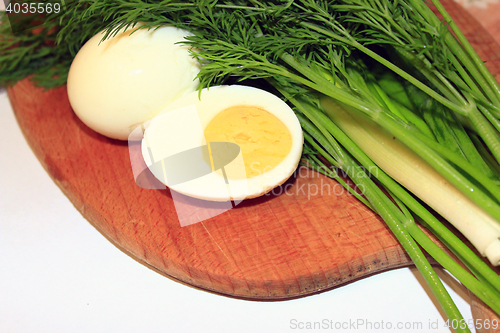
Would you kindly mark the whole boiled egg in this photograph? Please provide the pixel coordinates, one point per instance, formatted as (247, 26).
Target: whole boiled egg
(117, 84)
(224, 143)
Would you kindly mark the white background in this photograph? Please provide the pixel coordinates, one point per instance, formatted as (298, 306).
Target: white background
(59, 274)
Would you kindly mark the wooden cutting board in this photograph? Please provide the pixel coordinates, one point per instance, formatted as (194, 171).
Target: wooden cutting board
(310, 238)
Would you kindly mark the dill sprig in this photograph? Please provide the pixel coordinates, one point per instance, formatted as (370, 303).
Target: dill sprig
(27, 53)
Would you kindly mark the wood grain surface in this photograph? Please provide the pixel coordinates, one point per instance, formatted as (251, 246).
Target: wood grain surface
(307, 239)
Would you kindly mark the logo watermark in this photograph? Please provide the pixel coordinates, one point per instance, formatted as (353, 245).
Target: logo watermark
(320, 185)
(162, 154)
(208, 179)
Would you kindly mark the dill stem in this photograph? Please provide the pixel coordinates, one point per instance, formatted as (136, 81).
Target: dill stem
(392, 217)
(491, 118)
(382, 206)
(390, 66)
(434, 76)
(466, 255)
(444, 168)
(469, 58)
(483, 291)
(491, 281)
(486, 131)
(416, 141)
(390, 214)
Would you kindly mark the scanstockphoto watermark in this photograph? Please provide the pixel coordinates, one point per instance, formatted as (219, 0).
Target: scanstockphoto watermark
(361, 324)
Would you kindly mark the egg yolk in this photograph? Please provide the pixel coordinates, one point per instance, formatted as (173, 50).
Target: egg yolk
(263, 139)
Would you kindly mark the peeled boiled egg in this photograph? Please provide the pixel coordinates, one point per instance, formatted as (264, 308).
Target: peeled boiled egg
(224, 143)
(117, 84)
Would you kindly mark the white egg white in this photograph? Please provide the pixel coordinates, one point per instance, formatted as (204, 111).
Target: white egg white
(117, 84)
(180, 127)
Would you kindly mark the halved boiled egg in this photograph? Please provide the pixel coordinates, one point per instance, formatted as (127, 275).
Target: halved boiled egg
(224, 143)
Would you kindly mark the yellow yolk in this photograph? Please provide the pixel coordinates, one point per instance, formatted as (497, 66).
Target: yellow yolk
(263, 139)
